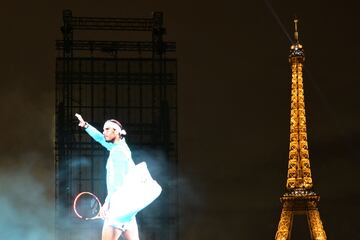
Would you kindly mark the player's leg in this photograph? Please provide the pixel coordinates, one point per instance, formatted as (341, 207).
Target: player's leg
(132, 231)
(131, 235)
(110, 233)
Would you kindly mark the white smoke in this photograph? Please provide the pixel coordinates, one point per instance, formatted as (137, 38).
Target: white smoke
(25, 210)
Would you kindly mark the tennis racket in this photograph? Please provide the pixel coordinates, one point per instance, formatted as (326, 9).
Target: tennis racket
(87, 206)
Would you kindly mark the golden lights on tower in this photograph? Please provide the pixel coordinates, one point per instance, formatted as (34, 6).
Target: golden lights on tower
(299, 198)
(299, 173)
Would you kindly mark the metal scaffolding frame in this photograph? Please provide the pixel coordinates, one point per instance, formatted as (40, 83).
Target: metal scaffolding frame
(133, 81)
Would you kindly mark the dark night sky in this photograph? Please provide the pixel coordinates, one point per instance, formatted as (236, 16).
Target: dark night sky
(234, 101)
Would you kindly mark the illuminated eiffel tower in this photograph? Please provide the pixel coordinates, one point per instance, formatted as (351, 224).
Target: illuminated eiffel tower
(299, 198)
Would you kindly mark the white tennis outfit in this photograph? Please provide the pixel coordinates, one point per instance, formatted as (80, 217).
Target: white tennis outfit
(118, 165)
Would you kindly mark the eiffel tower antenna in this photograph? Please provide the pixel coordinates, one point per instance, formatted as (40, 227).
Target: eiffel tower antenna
(299, 197)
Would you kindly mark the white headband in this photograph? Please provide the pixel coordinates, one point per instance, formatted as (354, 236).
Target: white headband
(110, 124)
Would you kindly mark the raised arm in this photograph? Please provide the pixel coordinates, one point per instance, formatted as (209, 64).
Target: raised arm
(93, 132)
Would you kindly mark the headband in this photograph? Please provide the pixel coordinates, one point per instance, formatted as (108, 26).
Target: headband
(110, 124)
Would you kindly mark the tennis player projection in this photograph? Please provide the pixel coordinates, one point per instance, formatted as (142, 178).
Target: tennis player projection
(130, 187)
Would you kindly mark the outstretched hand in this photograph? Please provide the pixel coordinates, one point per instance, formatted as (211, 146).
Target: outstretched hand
(82, 123)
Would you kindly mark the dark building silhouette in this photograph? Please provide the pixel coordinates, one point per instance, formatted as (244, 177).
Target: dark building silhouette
(114, 76)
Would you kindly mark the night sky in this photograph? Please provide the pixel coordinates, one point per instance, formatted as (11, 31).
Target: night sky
(234, 109)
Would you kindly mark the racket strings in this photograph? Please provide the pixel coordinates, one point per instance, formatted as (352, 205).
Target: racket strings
(87, 206)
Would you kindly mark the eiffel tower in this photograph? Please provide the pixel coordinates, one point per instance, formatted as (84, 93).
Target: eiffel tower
(299, 198)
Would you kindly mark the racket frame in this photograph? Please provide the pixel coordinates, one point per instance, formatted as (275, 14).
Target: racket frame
(97, 216)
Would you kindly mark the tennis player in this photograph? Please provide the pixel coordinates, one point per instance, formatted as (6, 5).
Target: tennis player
(118, 165)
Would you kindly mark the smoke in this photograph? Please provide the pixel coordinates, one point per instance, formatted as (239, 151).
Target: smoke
(28, 210)
(155, 160)
(27, 206)
(25, 210)
(178, 198)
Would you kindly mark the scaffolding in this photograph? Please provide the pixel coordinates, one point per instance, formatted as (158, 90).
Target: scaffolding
(134, 82)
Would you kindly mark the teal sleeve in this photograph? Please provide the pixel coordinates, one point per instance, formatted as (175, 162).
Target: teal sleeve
(98, 136)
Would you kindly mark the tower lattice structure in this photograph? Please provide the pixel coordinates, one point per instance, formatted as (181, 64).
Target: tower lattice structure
(299, 199)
